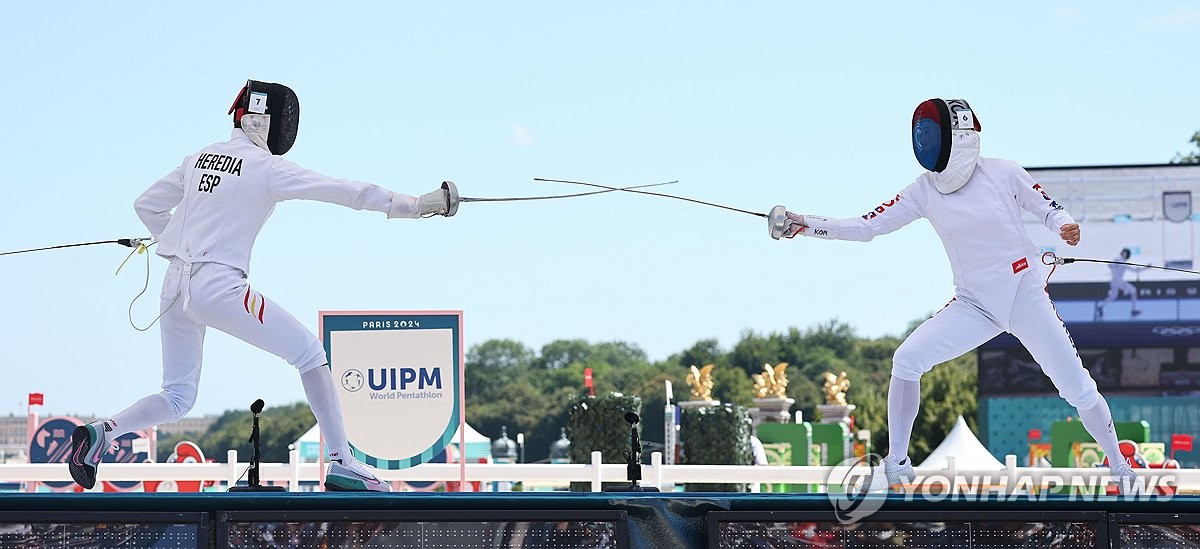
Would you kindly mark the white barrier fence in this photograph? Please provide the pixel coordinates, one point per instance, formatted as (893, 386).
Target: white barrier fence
(1008, 480)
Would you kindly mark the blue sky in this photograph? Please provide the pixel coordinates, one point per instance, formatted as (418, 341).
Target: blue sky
(749, 104)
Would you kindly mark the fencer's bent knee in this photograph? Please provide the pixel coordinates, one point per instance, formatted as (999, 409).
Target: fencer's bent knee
(1083, 396)
(907, 365)
(1074, 384)
(313, 363)
(181, 401)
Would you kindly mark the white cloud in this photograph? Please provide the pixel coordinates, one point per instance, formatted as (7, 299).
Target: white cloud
(1183, 16)
(521, 135)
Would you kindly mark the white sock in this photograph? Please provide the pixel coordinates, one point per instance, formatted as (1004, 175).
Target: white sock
(904, 400)
(151, 410)
(323, 399)
(1099, 423)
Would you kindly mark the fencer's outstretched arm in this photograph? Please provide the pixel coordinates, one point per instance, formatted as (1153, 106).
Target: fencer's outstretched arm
(154, 205)
(885, 218)
(289, 181)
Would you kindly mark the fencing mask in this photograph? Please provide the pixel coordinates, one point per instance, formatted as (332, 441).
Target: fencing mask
(945, 136)
(269, 114)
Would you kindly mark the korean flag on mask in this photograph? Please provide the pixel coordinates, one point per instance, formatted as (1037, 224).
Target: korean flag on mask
(945, 135)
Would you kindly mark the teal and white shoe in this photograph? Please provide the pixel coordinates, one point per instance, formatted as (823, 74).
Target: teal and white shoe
(89, 443)
(353, 477)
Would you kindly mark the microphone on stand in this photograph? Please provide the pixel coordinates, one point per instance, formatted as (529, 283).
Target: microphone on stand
(633, 467)
(253, 480)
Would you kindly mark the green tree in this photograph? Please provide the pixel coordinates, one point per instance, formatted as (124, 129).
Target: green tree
(705, 351)
(871, 414)
(533, 399)
(807, 385)
(500, 354)
(494, 364)
(562, 352)
(520, 410)
(279, 426)
(733, 386)
(752, 351)
(1192, 157)
(836, 336)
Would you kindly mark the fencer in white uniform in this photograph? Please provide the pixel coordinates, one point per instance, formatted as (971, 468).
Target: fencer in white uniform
(205, 215)
(974, 205)
(1118, 285)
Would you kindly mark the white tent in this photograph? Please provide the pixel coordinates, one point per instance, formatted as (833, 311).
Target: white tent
(478, 446)
(968, 452)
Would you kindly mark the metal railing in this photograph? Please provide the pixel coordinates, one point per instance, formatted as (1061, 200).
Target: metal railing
(1007, 480)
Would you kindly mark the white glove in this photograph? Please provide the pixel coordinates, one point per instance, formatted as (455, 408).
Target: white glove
(444, 201)
(782, 223)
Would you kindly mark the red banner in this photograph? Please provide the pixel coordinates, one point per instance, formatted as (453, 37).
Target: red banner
(36, 398)
(1181, 442)
(1035, 434)
(587, 381)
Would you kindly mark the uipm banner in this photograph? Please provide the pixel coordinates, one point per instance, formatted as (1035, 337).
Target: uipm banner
(399, 375)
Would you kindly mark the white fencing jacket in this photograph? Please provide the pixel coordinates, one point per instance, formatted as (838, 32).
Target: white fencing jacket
(222, 196)
(979, 225)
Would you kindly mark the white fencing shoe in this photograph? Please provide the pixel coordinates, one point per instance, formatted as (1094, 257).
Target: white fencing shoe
(353, 477)
(1129, 483)
(887, 474)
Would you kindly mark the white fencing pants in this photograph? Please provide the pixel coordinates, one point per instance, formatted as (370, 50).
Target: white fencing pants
(1116, 289)
(961, 326)
(195, 296)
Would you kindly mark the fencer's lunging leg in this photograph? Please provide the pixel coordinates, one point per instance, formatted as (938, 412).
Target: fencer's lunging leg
(903, 401)
(1099, 423)
(345, 472)
(952, 332)
(222, 298)
(1045, 336)
(323, 399)
(151, 410)
(182, 354)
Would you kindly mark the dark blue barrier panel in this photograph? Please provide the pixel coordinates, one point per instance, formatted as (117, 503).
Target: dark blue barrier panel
(650, 520)
(1157, 530)
(948, 529)
(55, 529)
(419, 529)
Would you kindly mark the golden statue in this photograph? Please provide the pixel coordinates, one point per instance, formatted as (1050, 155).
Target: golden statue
(772, 382)
(835, 388)
(701, 382)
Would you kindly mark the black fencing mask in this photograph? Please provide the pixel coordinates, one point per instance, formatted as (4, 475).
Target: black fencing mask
(269, 114)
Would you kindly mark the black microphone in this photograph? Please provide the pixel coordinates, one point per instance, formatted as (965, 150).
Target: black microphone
(255, 440)
(633, 458)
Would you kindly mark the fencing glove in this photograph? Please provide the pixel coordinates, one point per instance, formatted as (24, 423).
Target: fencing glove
(443, 201)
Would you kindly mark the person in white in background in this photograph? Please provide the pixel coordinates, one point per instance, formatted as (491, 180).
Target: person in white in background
(758, 451)
(1118, 285)
(974, 205)
(205, 215)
